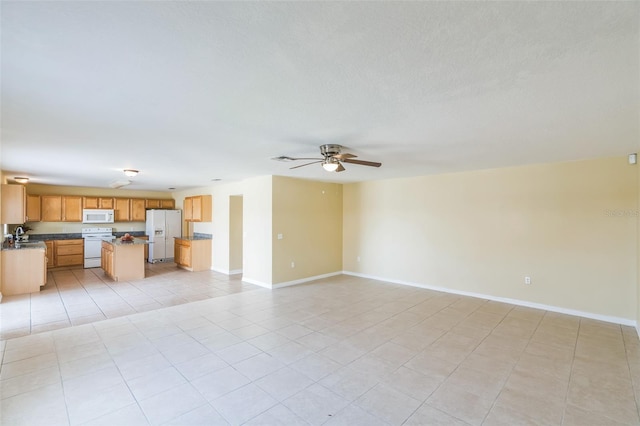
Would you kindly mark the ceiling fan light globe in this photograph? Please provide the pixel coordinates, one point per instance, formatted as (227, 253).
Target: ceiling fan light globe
(330, 166)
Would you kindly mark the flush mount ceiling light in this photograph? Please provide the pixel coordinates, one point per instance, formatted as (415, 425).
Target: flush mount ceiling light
(21, 179)
(130, 172)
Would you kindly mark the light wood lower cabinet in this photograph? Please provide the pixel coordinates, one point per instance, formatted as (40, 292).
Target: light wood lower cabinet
(193, 255)
(123, 262)
(23, 271)
(51, 254)
(69, 252)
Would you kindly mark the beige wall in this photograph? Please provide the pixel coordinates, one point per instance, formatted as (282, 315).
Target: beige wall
(308, 214)
(235, 233)
(571, 227)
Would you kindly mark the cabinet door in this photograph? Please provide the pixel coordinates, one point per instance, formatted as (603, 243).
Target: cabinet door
(51, 208)
(33, 208)
(152, 204)
(72, 208)
(106, 203)
(196, 215)
(167, 204)
(90, 202)
(187, 208)
(51, 254)
(138, 212)
(122, 209)
(14, 204)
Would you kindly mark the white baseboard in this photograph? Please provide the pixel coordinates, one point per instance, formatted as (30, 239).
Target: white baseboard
(290, 283)
(256, 282)
(227, 272)
(605, 318)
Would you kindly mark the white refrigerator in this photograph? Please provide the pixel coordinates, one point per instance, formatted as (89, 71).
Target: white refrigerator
(162, 226)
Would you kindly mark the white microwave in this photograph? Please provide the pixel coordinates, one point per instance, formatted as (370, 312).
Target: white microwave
(97, 216)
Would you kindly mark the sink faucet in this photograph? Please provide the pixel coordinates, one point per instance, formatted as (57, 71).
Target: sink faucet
(19, 232)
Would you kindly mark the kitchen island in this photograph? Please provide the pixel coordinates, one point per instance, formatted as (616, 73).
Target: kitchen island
(123, 260)
(24, 268)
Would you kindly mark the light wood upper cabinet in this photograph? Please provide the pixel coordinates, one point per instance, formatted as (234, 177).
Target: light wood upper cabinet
(33, 208)
(198, 208)
(168, 204)
(138, 212)
(71, 208)
(187, 209)
(122, 209)
(152, 204)
(14, 204)
(59, 208)
(51, 208)
(97, 203)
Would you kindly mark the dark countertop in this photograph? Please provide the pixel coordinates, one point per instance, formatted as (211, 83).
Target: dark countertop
(194, 237)
(49, 237)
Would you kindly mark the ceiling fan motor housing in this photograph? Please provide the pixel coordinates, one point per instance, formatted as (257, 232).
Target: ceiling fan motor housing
(330, 150)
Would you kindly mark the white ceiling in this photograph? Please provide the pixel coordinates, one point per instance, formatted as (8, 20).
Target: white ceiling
(191, 91)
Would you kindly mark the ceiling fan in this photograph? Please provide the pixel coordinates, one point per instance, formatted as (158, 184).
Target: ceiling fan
(332, 159)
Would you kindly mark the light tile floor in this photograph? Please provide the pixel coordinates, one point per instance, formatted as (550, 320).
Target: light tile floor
(75, 296)
(339, 351)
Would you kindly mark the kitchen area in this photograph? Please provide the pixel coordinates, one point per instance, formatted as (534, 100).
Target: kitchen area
(118, 236)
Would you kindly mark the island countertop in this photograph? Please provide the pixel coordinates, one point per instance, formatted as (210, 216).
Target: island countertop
(136, 241)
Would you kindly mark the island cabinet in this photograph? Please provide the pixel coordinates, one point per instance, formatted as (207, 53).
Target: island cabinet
(14, 200)
(198, 208)
(23, 270)
(123, 261)
(193, 254)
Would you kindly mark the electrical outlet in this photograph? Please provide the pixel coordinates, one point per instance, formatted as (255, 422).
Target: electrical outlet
(279, 236)
(293, 264)
(527, 280)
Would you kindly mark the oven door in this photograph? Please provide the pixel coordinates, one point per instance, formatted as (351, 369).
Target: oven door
(92, 251)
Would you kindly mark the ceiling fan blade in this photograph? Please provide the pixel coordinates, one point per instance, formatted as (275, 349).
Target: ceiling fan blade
(344, 156)
(340, 168)
(362, 163)
(287, 158)
(307, 164)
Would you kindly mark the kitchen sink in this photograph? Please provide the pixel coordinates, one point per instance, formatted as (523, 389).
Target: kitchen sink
(29, 244)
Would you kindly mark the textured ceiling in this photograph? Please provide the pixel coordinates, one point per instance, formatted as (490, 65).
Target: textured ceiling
(191, 91)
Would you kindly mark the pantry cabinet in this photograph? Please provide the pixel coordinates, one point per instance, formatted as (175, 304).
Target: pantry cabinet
(14, 204)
